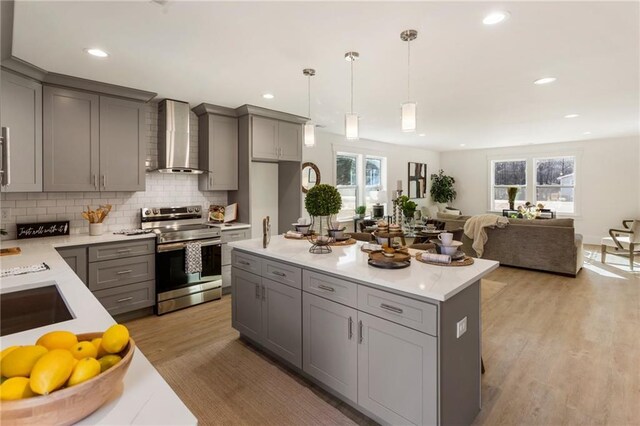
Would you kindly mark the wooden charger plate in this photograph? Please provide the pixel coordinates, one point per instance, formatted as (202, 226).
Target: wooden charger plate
(398, 261)
(348, 242)
(464, 262)
(69, 405)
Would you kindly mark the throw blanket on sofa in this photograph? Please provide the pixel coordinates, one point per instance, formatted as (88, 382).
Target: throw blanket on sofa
(474, 229)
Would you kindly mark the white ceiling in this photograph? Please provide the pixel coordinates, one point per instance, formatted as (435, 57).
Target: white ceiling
(473, 83)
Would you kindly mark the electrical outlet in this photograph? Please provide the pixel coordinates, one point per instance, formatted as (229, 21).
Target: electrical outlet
(461, 327)
(6, 213)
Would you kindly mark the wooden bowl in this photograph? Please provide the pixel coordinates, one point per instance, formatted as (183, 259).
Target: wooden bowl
(69, 405)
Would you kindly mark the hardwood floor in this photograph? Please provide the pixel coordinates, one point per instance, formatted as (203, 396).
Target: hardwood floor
(557, 350)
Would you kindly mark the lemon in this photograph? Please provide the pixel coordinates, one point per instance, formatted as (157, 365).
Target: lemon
(4, 353)
(83, 350)
(15, 388)
(57, 340)
(51, 371)
(20, 361)
(85, 369)
(115, 338)
(108, 361)
(97, 342)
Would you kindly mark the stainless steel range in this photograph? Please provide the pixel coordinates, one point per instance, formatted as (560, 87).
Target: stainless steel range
(175, 227)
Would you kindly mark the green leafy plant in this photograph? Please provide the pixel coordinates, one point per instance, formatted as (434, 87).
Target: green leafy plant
(442, 190)
(361, 210)
(323, 200)
(407, 206)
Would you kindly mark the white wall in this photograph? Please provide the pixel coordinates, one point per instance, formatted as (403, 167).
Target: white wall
(398, 157)
(607, 190)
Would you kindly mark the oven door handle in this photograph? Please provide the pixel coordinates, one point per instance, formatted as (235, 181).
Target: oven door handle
(162, 248)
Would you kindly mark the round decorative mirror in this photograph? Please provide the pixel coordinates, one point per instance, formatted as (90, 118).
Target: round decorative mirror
(310, 176)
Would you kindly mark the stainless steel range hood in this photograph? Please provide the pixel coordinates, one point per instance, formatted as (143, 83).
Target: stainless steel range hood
(175, 151)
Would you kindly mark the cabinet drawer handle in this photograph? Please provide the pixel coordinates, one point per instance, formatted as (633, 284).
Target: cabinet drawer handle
(257, 291)
(326, 288)
(123, 251)
(360, 338)
(242, 262)
(391, 308)
(125, 299)
(126, 271)
(278, 273)
(350, 328)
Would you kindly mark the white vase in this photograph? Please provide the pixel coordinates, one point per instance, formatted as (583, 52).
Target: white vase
(95, 229)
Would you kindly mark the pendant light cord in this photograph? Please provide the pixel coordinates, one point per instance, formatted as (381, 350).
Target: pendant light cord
(408, 70)
(309, 92)
(352, 61)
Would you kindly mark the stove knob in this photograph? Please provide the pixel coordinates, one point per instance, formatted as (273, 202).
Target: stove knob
(156, 211)
(197, 209)
(145, 212)
(189, 209)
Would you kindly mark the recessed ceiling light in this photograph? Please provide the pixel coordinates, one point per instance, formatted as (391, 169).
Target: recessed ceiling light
(586, 133)
(545, 80)
(495, 18)
(96, 52)
(422, 134)
(572, 115)
(268, 96)
(463, 144)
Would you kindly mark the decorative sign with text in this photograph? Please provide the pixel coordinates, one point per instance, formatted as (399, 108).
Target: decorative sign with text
(45, 229)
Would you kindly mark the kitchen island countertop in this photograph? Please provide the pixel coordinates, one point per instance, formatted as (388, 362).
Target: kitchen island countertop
(418, 281)
(145, 397)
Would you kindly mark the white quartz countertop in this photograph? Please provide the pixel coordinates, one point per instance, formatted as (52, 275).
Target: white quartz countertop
(145, 397)
(418, 281)
(230, 226)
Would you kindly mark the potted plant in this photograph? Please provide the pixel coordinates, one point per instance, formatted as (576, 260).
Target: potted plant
(360, 211)
(323, 201)
(442, 190)
(512, 191)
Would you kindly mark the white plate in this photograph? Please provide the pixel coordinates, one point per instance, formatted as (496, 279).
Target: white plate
(454, 243)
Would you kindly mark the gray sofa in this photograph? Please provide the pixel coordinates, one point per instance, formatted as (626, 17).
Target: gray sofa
(543, 244)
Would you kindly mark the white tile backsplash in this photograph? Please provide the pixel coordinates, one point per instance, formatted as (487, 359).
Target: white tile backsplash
(161, 190)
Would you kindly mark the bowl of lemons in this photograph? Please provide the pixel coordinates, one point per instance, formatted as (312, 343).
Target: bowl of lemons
(63, 377)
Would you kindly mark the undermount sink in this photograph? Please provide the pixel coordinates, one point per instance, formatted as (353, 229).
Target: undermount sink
(31, 308)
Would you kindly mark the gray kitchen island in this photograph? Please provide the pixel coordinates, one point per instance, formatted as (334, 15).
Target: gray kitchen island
(402, 346)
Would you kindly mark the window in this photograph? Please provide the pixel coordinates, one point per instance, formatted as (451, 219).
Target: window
(555, 183)
(359, 177)
(505, 174)
(548, 180)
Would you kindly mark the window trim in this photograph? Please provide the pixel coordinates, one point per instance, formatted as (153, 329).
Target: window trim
(492, 177)
(530, 156)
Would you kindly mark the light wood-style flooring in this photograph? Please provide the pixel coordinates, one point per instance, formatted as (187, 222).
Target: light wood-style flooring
(557, 350)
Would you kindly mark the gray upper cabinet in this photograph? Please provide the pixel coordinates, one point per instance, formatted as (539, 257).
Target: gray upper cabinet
(218, 152)
(290, 141)
(264, 138)
(21, 106)
(122, 145)
(71, 121)
(91, 142)
(275, 140)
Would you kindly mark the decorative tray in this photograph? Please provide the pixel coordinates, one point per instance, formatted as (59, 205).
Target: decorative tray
(466, 261)
(398, 261)
(347, 242)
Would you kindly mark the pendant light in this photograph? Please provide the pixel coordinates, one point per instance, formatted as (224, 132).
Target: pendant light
(309, 127)
(351, 119)
(409, 120)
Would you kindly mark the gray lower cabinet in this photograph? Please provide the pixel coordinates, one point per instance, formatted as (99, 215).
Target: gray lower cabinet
(397, 372)
(21, 106)
(120, 275)
(268, 312)
(76, 258)
(218, 152)
(329, 344)
(229, 235)
(92, 142)
(71, 140)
